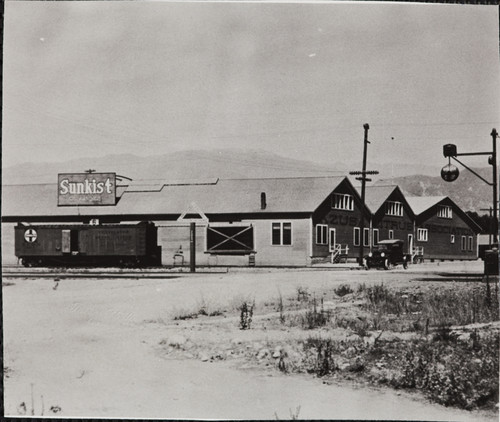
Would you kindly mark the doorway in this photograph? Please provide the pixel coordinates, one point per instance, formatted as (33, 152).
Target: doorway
(333, 239)
(410, 244)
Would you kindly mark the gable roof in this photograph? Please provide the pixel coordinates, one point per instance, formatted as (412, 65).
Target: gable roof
(422, 204)
(217, 196)
(375, 196)
(419, 204)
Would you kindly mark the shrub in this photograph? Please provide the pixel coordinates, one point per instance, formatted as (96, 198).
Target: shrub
(313, 317)
(183, 314)
(381, 299)
(281, 308)
(303, 294)
(343, 290)
(458, 307)
(246, 315)
(322, 359)
(453, 375)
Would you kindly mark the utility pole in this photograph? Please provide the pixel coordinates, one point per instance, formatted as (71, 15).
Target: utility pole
(450, 173)
(363, 179)
(192, 247)
(493, 162)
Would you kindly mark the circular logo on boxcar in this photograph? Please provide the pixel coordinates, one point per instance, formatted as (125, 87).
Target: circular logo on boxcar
(30, 235)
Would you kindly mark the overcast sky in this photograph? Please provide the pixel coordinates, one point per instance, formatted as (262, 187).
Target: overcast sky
(93, 78)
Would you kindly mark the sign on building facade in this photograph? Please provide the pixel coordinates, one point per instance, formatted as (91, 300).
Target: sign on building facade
(86, 189)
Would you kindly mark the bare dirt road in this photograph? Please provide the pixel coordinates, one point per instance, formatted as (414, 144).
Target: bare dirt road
(95, 348)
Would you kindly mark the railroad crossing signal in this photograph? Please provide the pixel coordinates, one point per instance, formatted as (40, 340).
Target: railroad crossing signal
(30, 235)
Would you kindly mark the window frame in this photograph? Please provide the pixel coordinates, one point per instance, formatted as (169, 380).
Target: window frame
(394, 208)
(377, 237)
(463, 243)
(366, 237)
(281, 231)
(391, 234)
(452, 238)
(422, 235)
(342, 201)
(322, 229)
(470, 243)
(445, 211)
(358, 235)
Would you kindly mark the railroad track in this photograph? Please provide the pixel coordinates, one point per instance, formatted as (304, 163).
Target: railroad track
(13, 271)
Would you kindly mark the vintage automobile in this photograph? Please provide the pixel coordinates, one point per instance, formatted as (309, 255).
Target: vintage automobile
(386, 254)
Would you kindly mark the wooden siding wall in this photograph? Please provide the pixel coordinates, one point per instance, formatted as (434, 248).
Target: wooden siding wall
(439, 246)
(173, 236)
(343, 222)
(401, 226)
(8, 253)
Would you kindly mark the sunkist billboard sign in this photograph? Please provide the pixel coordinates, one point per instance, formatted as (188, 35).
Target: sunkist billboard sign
(86, 189)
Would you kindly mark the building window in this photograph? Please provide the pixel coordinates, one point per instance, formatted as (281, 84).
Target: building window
(366, 237)
(342, 201)
(444, 211)
(452, 238)
(422, 235)
(391, 234)
(357, 236)
(281, 234)
(394, 208)
(463, 244)
(375, 237)
(471, 244)
(321, 234)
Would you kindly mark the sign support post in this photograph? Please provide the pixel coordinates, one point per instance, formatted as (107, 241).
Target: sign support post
(192, 247)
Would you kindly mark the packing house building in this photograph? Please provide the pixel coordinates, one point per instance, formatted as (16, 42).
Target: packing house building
(265, 222)
(391, 215)
(443, 230)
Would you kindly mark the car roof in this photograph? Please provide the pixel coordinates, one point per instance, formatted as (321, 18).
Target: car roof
(389, 242)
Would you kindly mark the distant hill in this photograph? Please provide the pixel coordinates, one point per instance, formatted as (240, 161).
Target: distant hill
(227, 163)
(468, 191)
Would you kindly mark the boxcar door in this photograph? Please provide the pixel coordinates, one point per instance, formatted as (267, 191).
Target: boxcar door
(74, 241)
(69, 241)
(66, 241)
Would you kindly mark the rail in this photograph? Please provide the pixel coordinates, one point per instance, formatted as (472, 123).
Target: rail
(417, 254)
(9, 272)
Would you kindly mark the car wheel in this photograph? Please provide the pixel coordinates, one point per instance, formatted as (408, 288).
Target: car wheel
(387, 264)
(405, 263)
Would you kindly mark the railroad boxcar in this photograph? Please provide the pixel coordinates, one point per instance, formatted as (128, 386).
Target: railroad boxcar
(88, 245)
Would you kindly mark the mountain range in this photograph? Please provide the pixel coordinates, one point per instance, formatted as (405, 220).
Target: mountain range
(468, 191)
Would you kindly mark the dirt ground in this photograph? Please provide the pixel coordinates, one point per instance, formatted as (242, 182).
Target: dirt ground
(113, 348)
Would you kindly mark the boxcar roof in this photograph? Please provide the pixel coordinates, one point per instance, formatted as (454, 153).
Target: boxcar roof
(222, 196)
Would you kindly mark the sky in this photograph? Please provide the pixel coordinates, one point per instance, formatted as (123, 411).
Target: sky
(87, 79)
